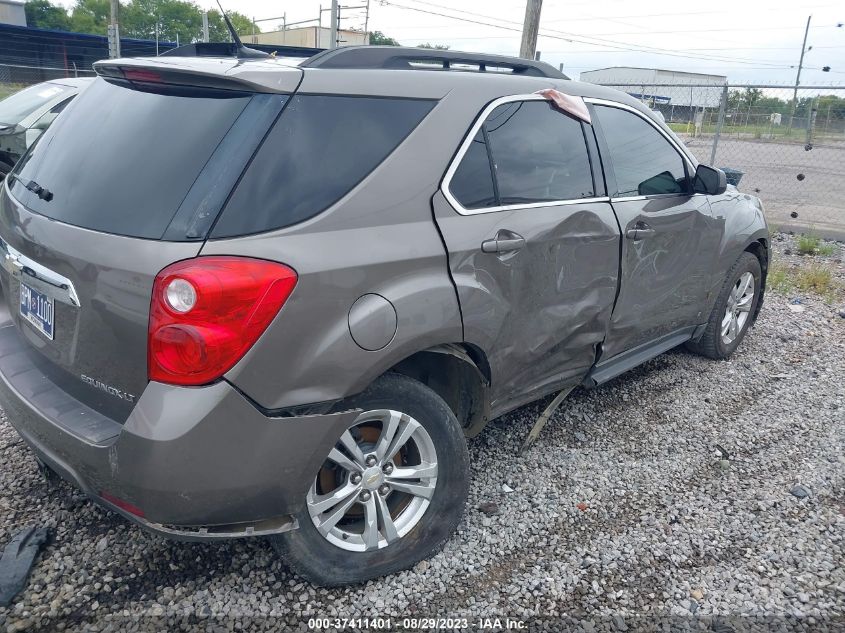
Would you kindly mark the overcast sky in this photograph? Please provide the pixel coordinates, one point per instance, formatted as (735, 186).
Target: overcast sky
(747, 40)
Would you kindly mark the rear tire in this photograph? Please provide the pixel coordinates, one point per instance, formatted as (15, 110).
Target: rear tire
(723, 334)
(327, 556)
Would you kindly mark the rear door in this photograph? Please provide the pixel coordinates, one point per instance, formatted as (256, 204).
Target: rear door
(127, 181)
(533, 246)
(669, 235)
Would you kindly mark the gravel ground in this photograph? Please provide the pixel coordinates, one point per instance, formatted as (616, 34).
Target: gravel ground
(623, 516)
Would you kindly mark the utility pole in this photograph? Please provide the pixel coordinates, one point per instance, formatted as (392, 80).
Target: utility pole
(333, 26)
(530, 29)
(205, 26)
(113, 30)
(798, 76)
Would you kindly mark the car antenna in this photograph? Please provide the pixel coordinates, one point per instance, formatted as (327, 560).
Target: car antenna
(241, 51)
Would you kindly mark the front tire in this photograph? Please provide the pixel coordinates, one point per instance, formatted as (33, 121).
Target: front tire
(389, 494)
(734, 310)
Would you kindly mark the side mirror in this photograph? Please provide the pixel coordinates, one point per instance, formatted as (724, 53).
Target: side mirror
(710, 180)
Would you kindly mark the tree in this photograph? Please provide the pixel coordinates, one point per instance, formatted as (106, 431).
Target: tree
(437, 47)
(377, 38)
(45, 15)
(751, 96)
(90, 16)
(139, 18)
(217, 31)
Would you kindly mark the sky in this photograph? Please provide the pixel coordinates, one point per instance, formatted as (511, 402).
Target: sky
(749, 41)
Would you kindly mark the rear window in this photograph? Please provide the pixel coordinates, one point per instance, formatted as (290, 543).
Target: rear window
(121, 160)
(15, 108)
(320, 148)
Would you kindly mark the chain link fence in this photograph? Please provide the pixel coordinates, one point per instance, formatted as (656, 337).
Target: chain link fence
(14, 77)
(784, 144)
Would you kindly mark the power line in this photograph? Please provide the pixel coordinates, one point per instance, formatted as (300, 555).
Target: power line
(613, 44)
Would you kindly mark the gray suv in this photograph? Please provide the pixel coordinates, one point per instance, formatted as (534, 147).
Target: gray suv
(262, 297)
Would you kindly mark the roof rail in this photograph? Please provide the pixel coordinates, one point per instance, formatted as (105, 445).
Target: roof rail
(402, 58)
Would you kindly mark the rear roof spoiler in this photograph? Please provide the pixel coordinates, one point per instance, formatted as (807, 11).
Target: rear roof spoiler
(148, 73)
(401, 58)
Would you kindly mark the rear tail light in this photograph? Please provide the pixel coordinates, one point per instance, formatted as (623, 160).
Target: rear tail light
(143, 75)
(207, 312)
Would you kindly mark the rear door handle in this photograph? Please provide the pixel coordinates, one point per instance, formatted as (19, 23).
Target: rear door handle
(639, 231)
(504, 242)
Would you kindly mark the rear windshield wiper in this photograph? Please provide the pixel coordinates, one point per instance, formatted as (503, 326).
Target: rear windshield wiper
(45, 194)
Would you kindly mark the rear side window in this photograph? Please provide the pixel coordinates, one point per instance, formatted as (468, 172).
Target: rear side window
(538, 155)
(472, 183)
(120, 160)
(644, 162)
(320, 148)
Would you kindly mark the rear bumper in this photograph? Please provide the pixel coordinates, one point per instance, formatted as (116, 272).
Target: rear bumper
(199, 462)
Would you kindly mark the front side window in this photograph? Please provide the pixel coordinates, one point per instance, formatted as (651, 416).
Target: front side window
(537, 153)
(644, 162)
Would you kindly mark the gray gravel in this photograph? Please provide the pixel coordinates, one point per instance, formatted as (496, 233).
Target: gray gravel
(664, 496)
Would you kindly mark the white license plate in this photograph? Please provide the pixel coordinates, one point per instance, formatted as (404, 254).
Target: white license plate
(38, 309)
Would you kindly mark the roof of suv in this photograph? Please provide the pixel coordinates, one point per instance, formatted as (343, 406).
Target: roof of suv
(328, 71)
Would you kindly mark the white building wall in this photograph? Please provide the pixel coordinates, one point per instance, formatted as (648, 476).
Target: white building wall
(643, 83)
(12, 12)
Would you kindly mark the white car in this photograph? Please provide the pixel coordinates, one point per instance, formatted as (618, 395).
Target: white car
(26, 114)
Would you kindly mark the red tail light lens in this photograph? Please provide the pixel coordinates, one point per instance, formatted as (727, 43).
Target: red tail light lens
(140, 74)
(207, 312)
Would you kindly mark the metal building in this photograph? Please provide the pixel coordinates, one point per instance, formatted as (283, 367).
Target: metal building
(12, 12)
(677, 94)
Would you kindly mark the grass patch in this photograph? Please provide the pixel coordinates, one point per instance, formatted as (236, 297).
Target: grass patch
(10, 89)
(826, 249)
(815, 279)
(812, 245)
(808, 244)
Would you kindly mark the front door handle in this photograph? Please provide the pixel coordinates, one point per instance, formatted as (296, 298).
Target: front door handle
(504, 242)
(639, 231)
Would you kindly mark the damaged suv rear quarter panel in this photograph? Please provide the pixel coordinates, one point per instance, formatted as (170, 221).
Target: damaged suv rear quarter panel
(384, 243)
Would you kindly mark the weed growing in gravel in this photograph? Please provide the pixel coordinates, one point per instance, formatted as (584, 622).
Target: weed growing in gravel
(808, 244)
(814, 279)
(826, 249)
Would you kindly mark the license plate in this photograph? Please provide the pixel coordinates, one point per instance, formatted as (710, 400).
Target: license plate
(37, 308)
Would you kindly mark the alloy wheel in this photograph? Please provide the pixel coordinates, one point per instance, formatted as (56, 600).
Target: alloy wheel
(738, 308)
(376, 483)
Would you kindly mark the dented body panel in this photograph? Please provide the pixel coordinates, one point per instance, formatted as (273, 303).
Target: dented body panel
(542, 311)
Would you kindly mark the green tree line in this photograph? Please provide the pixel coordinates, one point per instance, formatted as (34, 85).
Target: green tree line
(759, 103)
(138, 19)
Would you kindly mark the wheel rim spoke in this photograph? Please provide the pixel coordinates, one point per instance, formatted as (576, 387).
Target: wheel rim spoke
(320, 503)
(424, 490)
(388, 526)
(407, 429)
(420, 471)
(388, 431)
(726, 322)
(744, 281)
(327, 523)
(350, 445)
(370, 534)
(342, 460)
